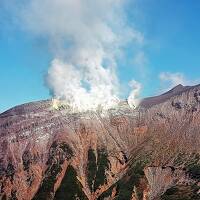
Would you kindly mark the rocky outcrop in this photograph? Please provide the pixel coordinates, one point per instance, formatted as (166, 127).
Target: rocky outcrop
(162, 178)
(48, 151)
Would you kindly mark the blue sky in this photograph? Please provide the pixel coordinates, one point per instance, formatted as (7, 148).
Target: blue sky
(171, 31)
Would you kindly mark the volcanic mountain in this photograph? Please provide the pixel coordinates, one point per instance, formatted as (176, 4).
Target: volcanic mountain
(48, 152)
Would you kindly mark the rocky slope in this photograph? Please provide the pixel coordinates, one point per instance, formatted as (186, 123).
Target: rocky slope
(149, 153)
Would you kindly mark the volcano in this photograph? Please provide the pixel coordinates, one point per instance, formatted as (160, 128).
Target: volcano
(48, 152)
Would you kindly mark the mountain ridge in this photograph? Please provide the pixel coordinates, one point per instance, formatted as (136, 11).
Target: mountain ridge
(147, 153)
(177, 90)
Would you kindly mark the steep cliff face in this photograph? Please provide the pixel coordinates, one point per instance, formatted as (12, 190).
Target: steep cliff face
(152, 152)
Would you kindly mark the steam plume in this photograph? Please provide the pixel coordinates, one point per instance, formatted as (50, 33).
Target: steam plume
(133, 98)
(86, 38)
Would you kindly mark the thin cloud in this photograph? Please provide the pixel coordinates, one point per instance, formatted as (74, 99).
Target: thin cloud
(169, 80)
(140, 62)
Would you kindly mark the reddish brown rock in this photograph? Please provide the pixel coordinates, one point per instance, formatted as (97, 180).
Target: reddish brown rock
(40, 141)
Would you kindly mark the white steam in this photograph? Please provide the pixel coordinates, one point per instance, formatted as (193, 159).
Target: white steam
(133, 99)
(67, 83)
(86, 38)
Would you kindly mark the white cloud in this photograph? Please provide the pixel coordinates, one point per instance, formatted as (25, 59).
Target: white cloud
(86, 38)
(173, 78)
(170, 80)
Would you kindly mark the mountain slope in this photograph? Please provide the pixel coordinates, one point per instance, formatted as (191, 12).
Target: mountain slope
(49, 152)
